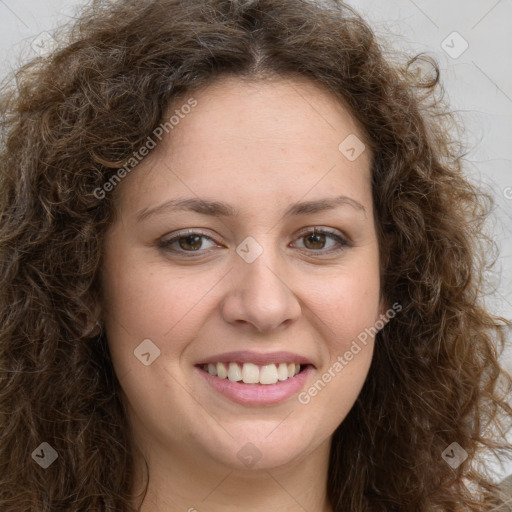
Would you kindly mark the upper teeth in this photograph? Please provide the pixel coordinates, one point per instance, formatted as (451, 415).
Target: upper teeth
(250, 373)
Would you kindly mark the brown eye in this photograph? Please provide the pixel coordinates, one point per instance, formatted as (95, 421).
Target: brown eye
(185, 242)
(190, 241)
(316, 241)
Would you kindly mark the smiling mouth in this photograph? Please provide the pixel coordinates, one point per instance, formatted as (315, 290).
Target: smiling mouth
(249, 373)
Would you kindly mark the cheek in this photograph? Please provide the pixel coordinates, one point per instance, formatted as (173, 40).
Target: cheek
(144, 300)
(350, 311)
(139, 294)
(351, 305)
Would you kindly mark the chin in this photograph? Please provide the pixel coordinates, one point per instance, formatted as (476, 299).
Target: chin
(264, 450)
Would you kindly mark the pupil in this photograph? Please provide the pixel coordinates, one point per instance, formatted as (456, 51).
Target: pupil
(316, 239)
(189, 238)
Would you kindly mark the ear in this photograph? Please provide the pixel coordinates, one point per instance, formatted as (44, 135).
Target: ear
(387, 311)
(93, 326)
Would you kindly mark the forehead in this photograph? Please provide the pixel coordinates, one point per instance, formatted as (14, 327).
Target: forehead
(271, 138)
(282, 111)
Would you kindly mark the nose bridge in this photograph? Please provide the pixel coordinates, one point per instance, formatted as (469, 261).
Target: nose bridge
(259, 293)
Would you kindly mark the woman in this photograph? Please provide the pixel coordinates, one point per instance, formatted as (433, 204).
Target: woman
(324, 348)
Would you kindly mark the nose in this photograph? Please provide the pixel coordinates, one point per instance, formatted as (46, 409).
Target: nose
(259, 295)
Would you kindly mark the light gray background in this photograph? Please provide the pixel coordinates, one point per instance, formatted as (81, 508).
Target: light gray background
(478, 85)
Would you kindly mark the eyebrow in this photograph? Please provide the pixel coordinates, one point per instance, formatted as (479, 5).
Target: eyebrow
(220, 209)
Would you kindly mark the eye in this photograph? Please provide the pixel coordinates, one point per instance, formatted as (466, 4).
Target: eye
(190, 241)
(315, 240)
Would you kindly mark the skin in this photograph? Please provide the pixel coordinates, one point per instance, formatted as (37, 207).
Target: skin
(258, 146)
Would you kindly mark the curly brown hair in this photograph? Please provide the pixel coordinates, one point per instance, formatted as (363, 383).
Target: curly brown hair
(77, 115)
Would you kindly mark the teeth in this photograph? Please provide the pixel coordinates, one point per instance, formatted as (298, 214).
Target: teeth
(234, 373)
(250, 373)
(282, 371)
(268, 374)
(222, 373)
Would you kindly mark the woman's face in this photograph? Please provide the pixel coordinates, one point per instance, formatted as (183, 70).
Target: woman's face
(244, 280)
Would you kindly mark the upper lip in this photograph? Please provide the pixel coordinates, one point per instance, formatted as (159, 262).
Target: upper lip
(248, 356)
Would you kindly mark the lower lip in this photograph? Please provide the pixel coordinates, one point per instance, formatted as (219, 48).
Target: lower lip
(257, 394)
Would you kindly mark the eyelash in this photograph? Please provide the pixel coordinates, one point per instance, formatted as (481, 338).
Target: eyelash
(165, 244)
